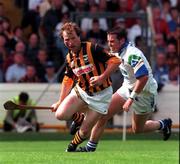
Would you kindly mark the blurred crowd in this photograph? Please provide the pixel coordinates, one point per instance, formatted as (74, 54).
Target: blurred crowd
(38, 56)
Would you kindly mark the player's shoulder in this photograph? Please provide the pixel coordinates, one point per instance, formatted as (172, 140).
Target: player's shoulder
(132, 50)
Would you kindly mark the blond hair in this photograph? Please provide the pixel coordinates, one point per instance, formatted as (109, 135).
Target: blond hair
(69, 27)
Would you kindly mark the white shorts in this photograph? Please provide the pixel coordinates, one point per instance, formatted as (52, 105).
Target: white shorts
(144, 103)
(99, 102)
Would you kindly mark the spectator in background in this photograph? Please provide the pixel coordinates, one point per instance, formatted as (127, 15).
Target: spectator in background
(80, 6)
(50, 75)
(21, 120)
(3, 50)
(166, 5)
(173, 63)
(174, 75)
(34, 4)
(173, 23)
(140, 43)
(120, 22)
(30, 76)
(40, 63)
(32, 47)
(177, 33)
(124, 7)
(138, 29)
(62, 49)
(32, 17)
(96, 34)
(44, 6)
(111, 6)
(172, 56)
(17, 70)
(140, 5)
(102, 5)
(52, 17)
(7, 29)
(160, 24)
(175, 3)
(86, 23)
(135, 30)
(161, 71)
(160, 43)
(20, 47)
(17, 37)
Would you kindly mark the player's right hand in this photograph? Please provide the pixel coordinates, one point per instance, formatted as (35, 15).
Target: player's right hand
(127, 104)
(55, 106)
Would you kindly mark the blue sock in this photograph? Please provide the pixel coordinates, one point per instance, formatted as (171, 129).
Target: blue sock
(161, 124)
(91, 146)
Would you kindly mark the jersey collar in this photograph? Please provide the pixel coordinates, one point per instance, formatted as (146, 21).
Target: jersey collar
(123, 47)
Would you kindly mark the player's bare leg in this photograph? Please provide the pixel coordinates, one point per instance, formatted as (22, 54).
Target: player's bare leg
(89, 121)
(98, 129)
(140, 124)
(115, 107)
(70, 105)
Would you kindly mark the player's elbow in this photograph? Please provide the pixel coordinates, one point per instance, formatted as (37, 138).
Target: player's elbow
(143, 79)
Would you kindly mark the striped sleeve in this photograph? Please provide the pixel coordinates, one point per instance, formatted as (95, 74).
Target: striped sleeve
(102, 55)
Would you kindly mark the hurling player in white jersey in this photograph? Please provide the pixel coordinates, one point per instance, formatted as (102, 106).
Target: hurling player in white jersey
(137, 93)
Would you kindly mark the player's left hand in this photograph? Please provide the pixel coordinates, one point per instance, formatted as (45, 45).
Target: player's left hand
(127, 104)
(95, 80)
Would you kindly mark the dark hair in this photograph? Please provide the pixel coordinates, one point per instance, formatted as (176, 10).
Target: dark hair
(137, 39)
(23, 96)
(16, 28)
(69, 27)
(95, 20)
(33, 33)
(119, 31)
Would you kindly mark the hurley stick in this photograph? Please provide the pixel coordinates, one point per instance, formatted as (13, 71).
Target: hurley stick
(9, 105)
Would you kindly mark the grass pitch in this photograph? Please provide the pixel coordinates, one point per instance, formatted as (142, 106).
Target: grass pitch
(49, 148)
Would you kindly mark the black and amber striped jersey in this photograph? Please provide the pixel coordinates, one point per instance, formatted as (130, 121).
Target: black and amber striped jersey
(90, 61)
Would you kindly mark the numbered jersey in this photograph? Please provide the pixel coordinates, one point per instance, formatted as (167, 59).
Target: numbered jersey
(134, 65)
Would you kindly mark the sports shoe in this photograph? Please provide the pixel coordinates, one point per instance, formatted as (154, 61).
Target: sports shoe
(167, 129)
(71, 148)
(84, 149)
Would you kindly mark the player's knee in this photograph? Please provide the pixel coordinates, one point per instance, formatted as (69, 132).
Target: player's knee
(59, 116)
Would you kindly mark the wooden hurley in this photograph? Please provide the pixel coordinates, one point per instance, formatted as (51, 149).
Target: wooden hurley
(9, 105)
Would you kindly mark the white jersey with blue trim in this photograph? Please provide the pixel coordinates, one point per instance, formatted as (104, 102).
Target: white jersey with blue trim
(134, 64)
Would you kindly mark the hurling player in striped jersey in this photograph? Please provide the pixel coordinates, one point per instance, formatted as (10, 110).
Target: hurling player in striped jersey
(86, 85)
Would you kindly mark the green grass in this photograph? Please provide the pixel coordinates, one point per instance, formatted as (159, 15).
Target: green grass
(48, 148)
